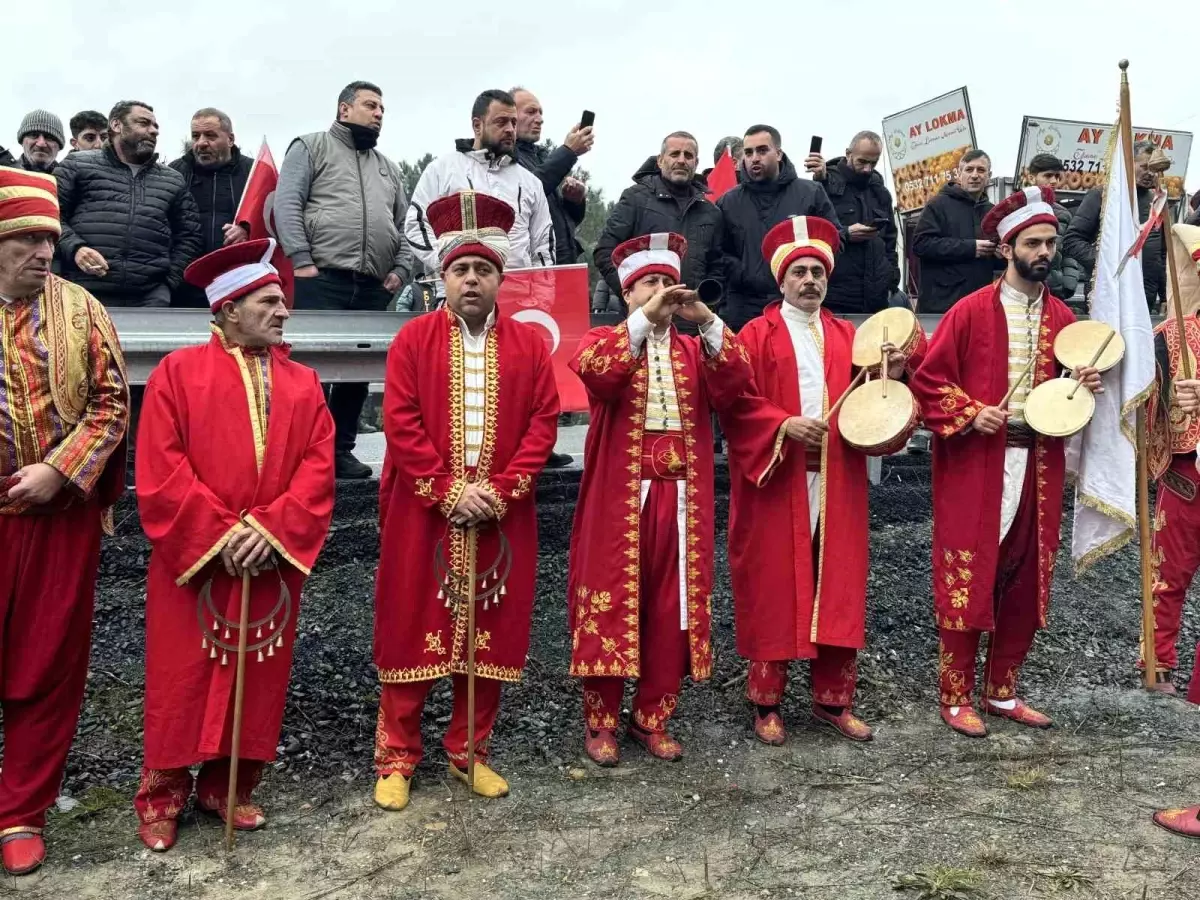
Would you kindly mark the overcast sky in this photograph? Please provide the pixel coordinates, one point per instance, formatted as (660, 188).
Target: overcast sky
(644, 68)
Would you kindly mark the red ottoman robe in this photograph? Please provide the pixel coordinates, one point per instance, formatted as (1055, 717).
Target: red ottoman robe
(603, 583)
(965, 370)
(784, 609)
(416, 637)
(201, 467)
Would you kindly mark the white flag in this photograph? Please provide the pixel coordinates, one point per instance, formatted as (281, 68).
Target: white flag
(1105, 464)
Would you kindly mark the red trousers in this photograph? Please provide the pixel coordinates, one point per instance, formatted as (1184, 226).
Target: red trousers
(48, 569)
(834, 677)
(398, 746)
(1175, 547)
(1016, 615)
(662, 642)
(163, 793)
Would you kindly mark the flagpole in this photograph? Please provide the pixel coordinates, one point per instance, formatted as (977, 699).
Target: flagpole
(1143, 462)
(1185, 358)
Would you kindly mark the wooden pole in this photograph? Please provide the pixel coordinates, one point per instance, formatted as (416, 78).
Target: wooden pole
(1185, 358)
(1143, 462)
(239, 693)
(1095, 359)
(472, 545)
(1143, 492)
(846, 393)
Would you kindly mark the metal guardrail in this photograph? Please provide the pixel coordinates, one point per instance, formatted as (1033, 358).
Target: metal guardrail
(340, 345)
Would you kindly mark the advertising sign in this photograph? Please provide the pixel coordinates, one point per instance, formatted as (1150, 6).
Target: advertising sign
(924, 145)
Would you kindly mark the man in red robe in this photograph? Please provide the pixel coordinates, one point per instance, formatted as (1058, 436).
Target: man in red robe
(1185, 821)
(234, 474)
(64, 406)
(640, 581)
(1174, 434)
(798, 529)
(997, 485)
(470, 411)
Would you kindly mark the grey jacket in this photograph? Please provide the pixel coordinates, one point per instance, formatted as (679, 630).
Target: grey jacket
(340, 208)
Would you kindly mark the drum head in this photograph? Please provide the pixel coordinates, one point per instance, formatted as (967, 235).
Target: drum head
(1078, 342)
(868, 420)
(901, 327)
(1048, 410)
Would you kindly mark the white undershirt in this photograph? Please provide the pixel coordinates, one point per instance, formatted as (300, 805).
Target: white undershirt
(808, 343)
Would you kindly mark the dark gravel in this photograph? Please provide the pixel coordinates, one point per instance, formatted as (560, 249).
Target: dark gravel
(329, 725)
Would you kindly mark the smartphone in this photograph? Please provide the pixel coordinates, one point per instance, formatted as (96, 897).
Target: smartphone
(880, 224)
(588, 119)
(814, 146)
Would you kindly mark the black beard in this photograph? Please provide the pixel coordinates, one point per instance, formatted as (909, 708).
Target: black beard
(494, 149)
(130, 150)
(1029, 273)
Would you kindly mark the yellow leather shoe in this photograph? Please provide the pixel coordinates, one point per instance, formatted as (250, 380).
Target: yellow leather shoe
(487, 783)
(391, 792)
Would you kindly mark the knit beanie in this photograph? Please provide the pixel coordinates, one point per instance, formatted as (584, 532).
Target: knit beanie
(42, 121)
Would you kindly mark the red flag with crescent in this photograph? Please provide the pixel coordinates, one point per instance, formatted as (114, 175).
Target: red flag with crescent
(555, 300)
(723, 176)
(256, 212)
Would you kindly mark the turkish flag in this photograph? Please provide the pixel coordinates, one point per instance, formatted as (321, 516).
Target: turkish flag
(722, 177)
(556, 300)
(256, 212)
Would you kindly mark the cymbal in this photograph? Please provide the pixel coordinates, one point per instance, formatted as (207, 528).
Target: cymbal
(1078, 342)
(1049, 409)
(901, 327)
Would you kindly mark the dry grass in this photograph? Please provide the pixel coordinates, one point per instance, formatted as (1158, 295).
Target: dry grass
(941, 883)
(1028, 779)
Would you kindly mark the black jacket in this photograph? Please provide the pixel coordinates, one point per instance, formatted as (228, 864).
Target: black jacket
(217, 191)
(866, 273)
(146, 226)
(551, 167)
(1066, 273)
(751, 210)
(944, 242)
(649, 208)
(1079, 242)
(7, 159)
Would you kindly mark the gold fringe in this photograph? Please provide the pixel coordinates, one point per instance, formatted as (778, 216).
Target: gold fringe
(274, 542)
(212, 551)
(776, 457)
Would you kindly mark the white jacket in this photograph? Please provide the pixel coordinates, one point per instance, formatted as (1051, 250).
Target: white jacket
(466, 170)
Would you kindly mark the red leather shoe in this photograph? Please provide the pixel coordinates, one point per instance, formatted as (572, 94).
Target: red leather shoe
(601, 747)
(849, 725)
(159, 836)
(23, 852)
(1021, 714)
(769, 729)
(658, 744)
(966, 721)
(1185, 822)
(246, 816)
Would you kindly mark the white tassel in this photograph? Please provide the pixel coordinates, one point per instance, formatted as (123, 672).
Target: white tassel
(224, 658)
(226, 634)
(270, 650)
(272, 625)
(279, 643)
(259, 635)
(441, 594)
(503, 590)
(213, 655)
(260, 656)
(203, 643)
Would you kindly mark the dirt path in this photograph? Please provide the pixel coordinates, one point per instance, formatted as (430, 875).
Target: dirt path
(1025, 814)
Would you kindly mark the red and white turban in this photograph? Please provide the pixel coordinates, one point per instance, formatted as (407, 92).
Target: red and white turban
(648, 254)
(471, 224)
(232, 272)
(28, 203)
(1015, 213)
(797, 237)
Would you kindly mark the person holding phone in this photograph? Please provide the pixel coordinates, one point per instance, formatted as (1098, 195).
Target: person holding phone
(771, 190)
(868, 271)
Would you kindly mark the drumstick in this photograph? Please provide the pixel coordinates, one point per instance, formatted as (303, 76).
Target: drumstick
(1095, 359)
(1016, 384)
(846, 393)
(883, 364)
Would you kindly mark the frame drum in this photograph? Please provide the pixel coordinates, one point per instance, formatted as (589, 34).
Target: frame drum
(1049, 412)
(875, 424)
(901, 327)
(1076, 346)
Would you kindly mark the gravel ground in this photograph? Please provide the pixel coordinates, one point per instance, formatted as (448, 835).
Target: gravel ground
(1116, 753)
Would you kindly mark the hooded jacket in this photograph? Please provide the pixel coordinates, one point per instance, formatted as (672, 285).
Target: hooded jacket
(944, 242)
(217, 191)
(1079, 242)
(468, 169)
(648, 207)
(751, 210)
